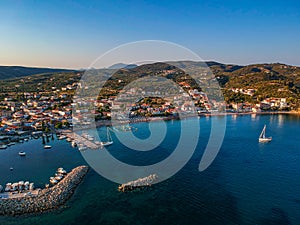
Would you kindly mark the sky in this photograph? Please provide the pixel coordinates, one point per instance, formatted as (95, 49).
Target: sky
(72, 34)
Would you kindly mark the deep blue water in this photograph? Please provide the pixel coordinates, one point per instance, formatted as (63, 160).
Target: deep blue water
(248, 182)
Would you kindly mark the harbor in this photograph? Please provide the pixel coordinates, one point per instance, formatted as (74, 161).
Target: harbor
(42, 200)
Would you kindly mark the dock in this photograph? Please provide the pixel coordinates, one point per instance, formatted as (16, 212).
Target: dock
(81, 140)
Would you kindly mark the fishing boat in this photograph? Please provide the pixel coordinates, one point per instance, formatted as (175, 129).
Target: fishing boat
(262, 137)
(109, 139)
(47, 146)
(21, 153)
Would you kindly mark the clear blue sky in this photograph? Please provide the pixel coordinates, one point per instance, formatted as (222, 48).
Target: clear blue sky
(72, 34)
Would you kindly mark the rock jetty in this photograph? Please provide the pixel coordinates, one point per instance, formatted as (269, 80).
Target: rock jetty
(139, 183)
(46, 199)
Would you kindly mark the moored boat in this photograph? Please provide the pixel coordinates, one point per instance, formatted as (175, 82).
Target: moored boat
(62, 137)
(3, 146)
(53, 180)
(61, 170)
(74, 144)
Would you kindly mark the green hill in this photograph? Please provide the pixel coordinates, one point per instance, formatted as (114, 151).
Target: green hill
(8, 72)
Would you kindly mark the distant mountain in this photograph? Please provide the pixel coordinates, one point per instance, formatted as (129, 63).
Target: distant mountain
(122, 66)
(8, 72)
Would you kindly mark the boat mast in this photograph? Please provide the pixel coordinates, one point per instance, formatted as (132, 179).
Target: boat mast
(108, 135)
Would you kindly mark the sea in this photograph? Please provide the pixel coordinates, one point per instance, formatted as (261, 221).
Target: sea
(247, 183)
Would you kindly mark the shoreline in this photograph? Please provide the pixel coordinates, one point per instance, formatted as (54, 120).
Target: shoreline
(154, 119)
(47, 199)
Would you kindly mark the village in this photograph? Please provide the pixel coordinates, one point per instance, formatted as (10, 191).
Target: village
(46, 111)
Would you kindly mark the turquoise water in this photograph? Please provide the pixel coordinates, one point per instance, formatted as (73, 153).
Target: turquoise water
(248, 183)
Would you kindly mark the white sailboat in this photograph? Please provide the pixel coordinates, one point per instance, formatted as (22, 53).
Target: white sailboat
(109, 139)
(262, 137)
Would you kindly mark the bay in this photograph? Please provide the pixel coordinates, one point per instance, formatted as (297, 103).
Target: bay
(248, 182)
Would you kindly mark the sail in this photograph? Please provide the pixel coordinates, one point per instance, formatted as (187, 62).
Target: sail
(263, 133)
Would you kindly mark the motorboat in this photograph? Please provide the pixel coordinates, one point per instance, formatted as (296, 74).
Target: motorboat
(21, 153)
(47, 146)
(74, 144)
(62, 137)
(3, 146)
(53, 180)
(61, 170)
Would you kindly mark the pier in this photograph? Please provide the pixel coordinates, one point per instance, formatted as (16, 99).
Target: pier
(81, 140)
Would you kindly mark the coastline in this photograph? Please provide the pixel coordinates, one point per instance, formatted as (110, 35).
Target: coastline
(47, 199)
(154, 119)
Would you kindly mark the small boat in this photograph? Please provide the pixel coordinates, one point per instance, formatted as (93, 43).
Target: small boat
(47, 146)
(262, 137)
(31, 186)
(74, 144)
(8, 187)
(3, 146)
(109, 139)
(82, 148)
(53, 180)
(61, 170)
(62, 137)
(58, 177)
(11, 168)
(69, 139)
(26, 184)
(21, 153)
(25, 139)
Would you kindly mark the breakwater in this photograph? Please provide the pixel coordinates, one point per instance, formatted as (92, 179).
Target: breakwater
(46, 199)
(139, 183)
